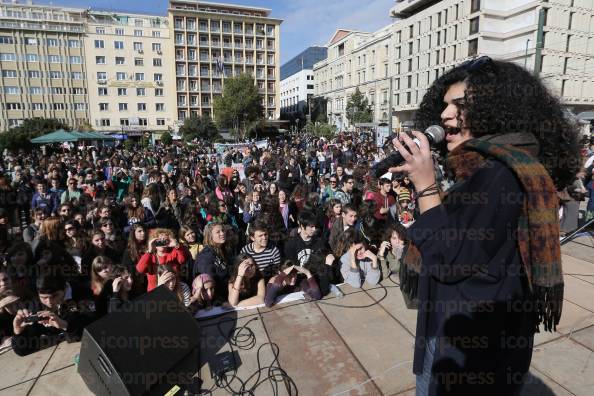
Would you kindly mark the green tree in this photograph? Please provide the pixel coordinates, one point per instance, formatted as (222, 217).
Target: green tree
(85, 126)
(199, 127)
(166, 138)
(128, 144)
(239, 106)
(19, 137)
(320, 129)
(358, 109)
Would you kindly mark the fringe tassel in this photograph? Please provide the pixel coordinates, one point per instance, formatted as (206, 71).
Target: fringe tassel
(409, 285)
(548, 302)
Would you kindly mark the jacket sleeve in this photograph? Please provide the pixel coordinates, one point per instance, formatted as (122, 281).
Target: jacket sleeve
(272, 289)
(458, 241)
(351, 276)
(144, 263)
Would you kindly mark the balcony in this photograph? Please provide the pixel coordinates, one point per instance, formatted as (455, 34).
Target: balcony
(227, 30)
(204, 74)
(238, 60)
(204, 58)
(205, 88)
(270, 48)
(260, 75)
(249, 61)
(203, 43)
(249, 31)
(270, 76)
(205, 104)
(215, 29)
(228, 60)
(238, 46)
(227, 45)
(238, 31)
(203, 28)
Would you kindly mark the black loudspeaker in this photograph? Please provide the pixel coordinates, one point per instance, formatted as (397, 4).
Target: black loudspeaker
(151, 346)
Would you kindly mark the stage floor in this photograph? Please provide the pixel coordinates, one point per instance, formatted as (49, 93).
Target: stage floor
(360, 344)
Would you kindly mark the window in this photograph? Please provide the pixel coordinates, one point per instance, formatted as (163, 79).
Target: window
(9, 57)
(120, 60)
(58, 106)
(100, 60)
(100, 30)
(57, 91)
(158, 77)
(157, 62)
(54, 59)
(30, 41)
(138, 46)
(105, 122)
(55, 74)
(473, 47)
(138, 23)
(341, 49)
(101, 75)
(124, 122)
(141, 106)
(158, 91)
(156, 33)
(474, 25)
(6, 40)
(158, 106)
(36, 106)
(99, 44)
(14, 122)
(77, 91)
(118, 45)
(122, 91)
(102, 91)
(74, 43)
(103, 106)
(34, 74)
(475, 5)
(9, 73)
(156, 47)
(140, 92)
(123, 106)
(142, 122)
(139, 76)
(51, 42)
(137, 32)
(12, 106)
(138, 61)
(30, 58)
(119, 32)
(160, 121)
(120, 76)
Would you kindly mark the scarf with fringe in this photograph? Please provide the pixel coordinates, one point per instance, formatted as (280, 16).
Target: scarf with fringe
(538, 226)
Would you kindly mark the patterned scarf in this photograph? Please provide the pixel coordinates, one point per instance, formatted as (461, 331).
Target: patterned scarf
(538, 226)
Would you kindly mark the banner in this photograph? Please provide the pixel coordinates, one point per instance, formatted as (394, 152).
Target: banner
(221, 147)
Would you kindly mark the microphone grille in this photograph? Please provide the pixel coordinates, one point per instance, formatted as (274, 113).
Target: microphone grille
(436, 132)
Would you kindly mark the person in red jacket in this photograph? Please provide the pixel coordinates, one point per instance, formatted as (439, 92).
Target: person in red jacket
(383, 199)
(163, 249)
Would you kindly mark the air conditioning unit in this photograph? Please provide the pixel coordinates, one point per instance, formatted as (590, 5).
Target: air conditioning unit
(159, 83)
(140, 51)
(159, 52)
(102, 82)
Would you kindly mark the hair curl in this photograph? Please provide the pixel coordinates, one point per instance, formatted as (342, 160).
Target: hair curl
(502, 97)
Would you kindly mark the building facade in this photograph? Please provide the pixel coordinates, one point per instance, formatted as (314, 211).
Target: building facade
(214, 41)
(428, 37)
(129, 72)
(297, 82)
(42, 64)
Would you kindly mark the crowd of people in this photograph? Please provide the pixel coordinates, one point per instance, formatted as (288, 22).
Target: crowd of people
(85, 230)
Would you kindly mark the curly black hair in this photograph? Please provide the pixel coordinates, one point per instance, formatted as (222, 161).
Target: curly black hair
(502, 97)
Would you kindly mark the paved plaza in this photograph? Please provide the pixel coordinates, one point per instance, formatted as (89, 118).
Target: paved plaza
(360, 344)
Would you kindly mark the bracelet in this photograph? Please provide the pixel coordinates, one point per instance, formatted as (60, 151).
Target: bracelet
(431, 187)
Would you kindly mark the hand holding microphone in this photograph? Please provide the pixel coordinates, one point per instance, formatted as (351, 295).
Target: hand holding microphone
(418, 161)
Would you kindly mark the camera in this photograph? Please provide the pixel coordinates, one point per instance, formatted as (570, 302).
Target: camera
(161, 242)
(33, 319)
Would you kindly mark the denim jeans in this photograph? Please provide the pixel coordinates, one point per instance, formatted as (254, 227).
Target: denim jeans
(424, 379)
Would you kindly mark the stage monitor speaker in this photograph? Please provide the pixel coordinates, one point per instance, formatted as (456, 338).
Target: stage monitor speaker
(151, 346)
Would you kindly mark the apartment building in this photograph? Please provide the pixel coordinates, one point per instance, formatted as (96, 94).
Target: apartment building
(42, 64)
(213, 41)
(428, 37)
(297, 82)
(129, 68)
(355, 60)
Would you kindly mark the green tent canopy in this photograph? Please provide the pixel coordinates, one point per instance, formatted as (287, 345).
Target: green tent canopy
(58, 136)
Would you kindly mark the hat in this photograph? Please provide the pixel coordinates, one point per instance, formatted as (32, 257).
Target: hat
(404, 195)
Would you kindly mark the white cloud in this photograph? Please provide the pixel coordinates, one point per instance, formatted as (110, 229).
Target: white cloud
(312, 22)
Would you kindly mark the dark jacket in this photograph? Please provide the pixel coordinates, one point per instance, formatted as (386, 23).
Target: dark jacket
(208, 262)
(472, 288)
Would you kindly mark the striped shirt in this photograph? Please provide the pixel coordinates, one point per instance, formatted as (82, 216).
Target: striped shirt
(268, 261)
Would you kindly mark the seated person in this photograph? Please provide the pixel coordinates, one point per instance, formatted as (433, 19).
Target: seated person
(10, 303)
(359, 264)
(57, 320)
(203, 288)
(246, 285)
(168, 276)
(299, 248)
(266, 256)
(391, 249)
(121, 286)
(292, 278)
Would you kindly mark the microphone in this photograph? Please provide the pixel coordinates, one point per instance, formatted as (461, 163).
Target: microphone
(435, 134)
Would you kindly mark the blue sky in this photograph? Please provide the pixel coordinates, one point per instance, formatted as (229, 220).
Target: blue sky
(306, 22)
